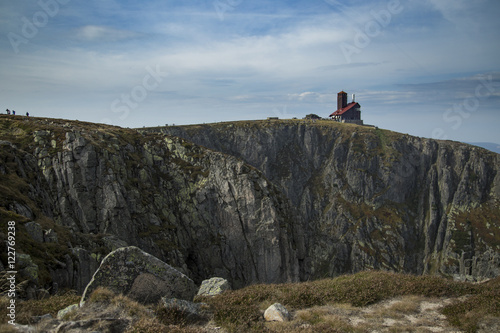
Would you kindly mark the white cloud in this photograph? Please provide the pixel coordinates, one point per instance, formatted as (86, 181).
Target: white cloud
(455, 10)
(104, 34)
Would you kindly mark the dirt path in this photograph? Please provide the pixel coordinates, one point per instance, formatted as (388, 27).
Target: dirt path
(401, 314)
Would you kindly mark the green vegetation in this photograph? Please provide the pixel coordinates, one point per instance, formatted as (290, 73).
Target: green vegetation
(44, 255)
(483, 304)
(483, 222)
(239, 310)
(21, 176)
(242, 310)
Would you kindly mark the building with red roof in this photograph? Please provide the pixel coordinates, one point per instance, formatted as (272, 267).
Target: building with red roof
(347, 112)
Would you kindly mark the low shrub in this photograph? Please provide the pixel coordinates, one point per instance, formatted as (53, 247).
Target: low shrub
(171, 316)
(468, 313)
(101, 295)
(147, 325)
(240, 308)
(32, 308)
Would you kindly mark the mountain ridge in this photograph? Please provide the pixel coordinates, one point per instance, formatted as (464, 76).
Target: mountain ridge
(494, 147)
(364, 151)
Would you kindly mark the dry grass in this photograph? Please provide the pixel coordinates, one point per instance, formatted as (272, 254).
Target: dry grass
(4, 327)
(101, 295)
(355, 303)
(320, 318)
(241, 310)
(147, 325)
(398, 308)
(145, 319)
(26, 310)
(467, 314)
(407, 305)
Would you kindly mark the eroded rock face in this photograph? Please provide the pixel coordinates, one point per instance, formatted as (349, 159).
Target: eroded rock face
(370, 198)
(140, 276)
(265, 202)
(204, 212)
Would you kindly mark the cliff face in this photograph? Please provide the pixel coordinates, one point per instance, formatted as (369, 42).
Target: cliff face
(205, 212)
(248, 201)
(369, 198)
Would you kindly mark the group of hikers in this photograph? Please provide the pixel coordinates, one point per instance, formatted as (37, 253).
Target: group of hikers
(14, 112)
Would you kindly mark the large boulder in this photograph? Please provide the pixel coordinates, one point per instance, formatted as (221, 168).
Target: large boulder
(140, 276)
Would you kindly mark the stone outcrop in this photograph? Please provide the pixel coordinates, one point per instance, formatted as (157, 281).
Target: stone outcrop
(204, 212)
(370, 198)
(140, 276)
(213, 286)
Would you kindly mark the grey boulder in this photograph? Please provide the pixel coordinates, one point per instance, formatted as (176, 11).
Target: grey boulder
(140, 276)
(213, 286)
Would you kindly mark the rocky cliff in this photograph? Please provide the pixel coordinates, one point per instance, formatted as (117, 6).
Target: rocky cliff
(102, 187)
(370, 198)
(248, 201)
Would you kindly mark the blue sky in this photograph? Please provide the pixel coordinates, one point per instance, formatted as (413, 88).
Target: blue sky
(429, 68)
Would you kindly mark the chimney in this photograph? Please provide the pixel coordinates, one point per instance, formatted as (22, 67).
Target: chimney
(341, 100)
(353, 98)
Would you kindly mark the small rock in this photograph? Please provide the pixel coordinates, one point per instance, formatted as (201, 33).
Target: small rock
(276, 312)
(37, 319)
(67, 310)
(213, 286)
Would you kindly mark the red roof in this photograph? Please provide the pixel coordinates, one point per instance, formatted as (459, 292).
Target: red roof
(349, 106)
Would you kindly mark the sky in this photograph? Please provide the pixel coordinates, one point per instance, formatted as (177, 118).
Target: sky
(429, 68)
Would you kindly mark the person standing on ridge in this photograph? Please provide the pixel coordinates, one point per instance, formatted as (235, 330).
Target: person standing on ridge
(8, 111)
